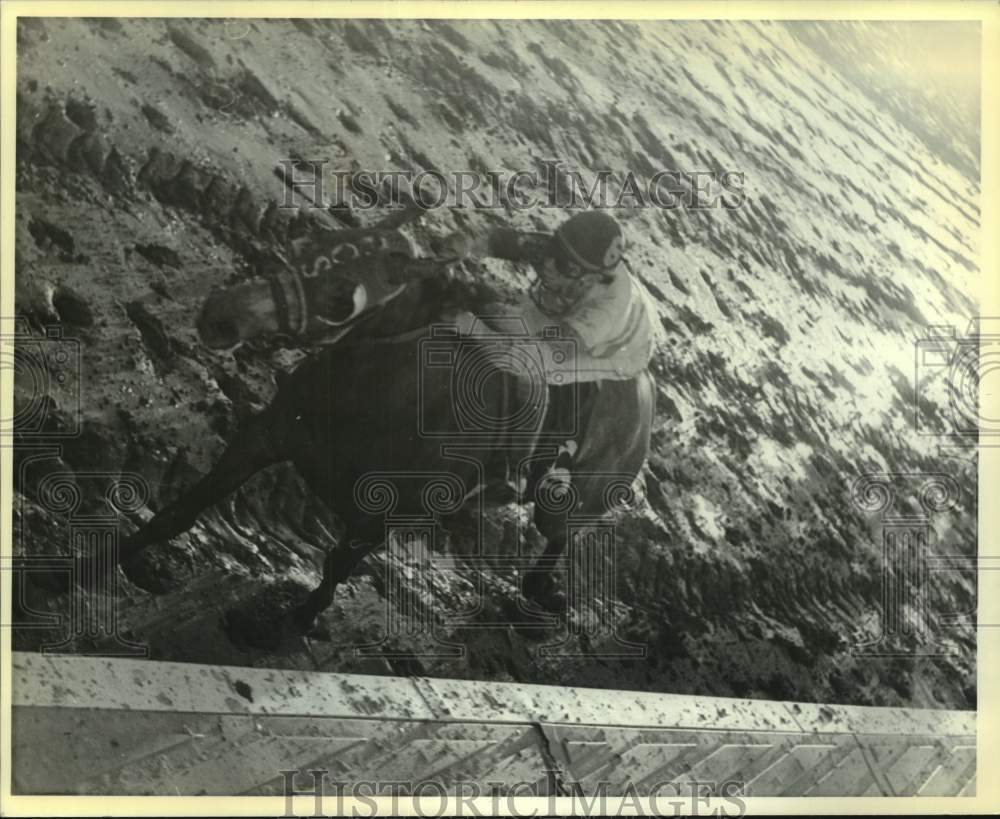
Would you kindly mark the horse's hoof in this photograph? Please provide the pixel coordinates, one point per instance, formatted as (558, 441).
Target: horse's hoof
(535, 583)
(554, 601)
(53, 582)
(319, 631)
(540, 588)
(147, 572)
(303, 620)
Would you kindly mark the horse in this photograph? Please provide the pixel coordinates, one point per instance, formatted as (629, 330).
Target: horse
(399, 397)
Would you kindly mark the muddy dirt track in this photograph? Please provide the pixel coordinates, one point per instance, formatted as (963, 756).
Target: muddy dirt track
(146, 153)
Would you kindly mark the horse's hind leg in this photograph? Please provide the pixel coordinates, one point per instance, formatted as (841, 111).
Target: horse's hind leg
(360, 538)
(613, 446)
(539, 582)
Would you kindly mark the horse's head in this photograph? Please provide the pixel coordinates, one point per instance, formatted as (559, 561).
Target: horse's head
(313, 308)
(329, 280)
(283, 303)
(235, 314)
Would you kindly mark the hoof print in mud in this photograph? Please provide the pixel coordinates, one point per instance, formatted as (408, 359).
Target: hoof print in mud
(266, 620)
(543, 591)
(50, 581)
(154, 572)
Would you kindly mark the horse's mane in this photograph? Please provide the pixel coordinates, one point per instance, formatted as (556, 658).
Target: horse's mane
(425, 302)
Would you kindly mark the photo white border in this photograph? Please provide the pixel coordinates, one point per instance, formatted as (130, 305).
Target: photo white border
(987, 799)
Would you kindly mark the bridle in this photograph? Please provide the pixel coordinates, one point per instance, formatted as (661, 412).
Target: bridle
(297, 299)
(287, 289)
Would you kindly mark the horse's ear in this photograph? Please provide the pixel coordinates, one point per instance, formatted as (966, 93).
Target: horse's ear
(409, 213)
(266, 261)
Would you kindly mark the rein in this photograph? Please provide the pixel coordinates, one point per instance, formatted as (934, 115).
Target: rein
(283, 284)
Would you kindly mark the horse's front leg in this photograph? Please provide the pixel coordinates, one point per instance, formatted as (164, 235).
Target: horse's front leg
(358, 541)
(248, 453)
(539, 581)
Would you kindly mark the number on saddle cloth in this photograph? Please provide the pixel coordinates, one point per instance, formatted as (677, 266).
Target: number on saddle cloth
(337, 275)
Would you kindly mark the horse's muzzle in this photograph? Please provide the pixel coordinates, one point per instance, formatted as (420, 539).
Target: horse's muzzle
(217, 328)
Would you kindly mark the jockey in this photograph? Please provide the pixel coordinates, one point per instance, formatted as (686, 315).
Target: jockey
(583, 289)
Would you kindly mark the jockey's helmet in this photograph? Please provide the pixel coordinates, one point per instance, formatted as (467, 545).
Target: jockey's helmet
(588, 242)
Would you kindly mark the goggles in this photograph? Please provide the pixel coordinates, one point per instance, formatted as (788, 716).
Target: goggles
(567, 267)
(574, 268)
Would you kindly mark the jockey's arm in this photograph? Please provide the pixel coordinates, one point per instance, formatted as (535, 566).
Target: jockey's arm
(499, 243)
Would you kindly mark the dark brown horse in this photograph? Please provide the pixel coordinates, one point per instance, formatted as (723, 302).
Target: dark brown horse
(404, 418)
